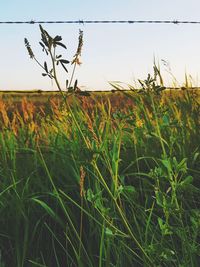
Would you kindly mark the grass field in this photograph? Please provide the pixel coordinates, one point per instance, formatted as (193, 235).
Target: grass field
(110, 179)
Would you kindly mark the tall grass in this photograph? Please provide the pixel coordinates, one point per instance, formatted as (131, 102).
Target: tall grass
(102, 186)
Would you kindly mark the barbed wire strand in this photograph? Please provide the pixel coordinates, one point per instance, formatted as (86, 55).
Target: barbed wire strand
(103, 22)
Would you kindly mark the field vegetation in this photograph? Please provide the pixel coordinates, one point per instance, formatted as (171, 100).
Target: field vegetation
(105, 179)
(100, 182)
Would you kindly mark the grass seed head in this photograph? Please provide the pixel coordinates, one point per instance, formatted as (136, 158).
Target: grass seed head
(82, 179)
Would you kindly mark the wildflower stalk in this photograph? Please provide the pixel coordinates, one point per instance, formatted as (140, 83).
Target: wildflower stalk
(49, 45)
(76, 60)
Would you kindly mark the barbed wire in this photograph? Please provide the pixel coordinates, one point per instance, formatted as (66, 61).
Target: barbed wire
(103, 22)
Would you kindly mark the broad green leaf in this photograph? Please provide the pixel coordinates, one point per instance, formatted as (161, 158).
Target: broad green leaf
(109, 232)
(45, 207)
(45, 67)
(129, 189)
(90, 195)
(159, 198)
(166, 120)
(167, 164)
(57, 38)
(61, 44)
(64, 61)
(188, 180)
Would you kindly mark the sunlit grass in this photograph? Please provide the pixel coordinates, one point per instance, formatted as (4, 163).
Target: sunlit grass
(102, 182)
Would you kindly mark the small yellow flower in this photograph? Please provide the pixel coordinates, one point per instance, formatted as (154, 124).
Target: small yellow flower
(32, 126)
(139, 123)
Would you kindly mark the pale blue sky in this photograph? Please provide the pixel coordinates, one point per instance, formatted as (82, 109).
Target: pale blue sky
(110, 52)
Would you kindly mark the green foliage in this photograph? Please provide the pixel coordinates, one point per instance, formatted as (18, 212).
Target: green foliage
(97, 188)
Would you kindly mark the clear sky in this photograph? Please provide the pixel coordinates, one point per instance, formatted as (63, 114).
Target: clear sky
(111, 52)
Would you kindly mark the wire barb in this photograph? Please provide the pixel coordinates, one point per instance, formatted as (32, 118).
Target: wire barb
(176, 22)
